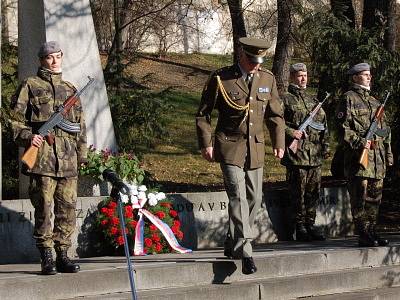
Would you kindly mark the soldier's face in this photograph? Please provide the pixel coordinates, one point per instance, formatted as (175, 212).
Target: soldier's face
(52, 61)
(247, 65)
(363, 78)
(300, 79)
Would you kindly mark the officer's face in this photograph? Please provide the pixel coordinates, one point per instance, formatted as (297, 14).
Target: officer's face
(247, 65)
(363, 78)
(52, 61)
(300, 79)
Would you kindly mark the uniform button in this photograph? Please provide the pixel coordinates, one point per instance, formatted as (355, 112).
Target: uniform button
(251, 110)
(249, 136)
(251, 98)
(251, 124)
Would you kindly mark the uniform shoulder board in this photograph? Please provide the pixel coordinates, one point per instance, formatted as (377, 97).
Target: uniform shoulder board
(265, 71)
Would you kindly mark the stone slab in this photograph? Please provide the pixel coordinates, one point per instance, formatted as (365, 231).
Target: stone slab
(203, 215)
(285, 271)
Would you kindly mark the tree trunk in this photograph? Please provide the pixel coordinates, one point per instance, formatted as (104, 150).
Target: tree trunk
(238, 26)
(283, 44)
(391, 30)
(381, 15)
(344, 9)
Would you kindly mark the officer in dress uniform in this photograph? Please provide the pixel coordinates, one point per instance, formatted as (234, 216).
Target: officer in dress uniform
(245, 96)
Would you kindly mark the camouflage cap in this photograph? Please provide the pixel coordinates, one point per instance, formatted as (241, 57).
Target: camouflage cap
(255, 48)
(298, 67)
(358, 68)
(48, 48)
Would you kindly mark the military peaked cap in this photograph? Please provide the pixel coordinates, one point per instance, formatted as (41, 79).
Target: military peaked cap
(255, 48)
(358, 68)
(48, 48)
(298, 67)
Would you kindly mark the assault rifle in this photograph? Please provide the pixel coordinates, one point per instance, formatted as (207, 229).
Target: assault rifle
(373, 129)
(309, 122)
(57, 119)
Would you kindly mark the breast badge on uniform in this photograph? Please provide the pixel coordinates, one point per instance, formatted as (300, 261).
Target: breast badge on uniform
(263, 89)
(340, 115)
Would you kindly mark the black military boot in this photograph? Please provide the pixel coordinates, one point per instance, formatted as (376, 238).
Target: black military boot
(64, 264)
(302, 234)
(315, 233)
(365, 239)
(47, 263)
(381, 241)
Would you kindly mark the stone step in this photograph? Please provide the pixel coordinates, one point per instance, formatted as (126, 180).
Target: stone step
(373, 294)
(334, 285)
(206, 268)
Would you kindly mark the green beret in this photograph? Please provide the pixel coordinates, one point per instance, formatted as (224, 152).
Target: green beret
(48, 48)
(298, 67)
(358, 68)
(255, 48)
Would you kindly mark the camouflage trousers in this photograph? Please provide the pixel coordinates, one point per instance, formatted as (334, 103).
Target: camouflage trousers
(365, 199)
(46, 192)
(304, 185)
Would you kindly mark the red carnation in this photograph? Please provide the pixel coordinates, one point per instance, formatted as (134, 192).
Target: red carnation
(160, 214)
(175, 229)
(155, 237)
(158, 247)
(148, 242)
(165, 204)
(104, 222)
(129, 214)
(112, 204)
(133, 223)
(109, 213)
(179, 234)
(104, 210)
(114, 221)
(120, 240)
(114, 230)
(173, 213)
(177, 223)
(153, 227)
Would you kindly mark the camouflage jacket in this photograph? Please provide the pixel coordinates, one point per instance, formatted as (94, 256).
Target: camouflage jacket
(239, 134)
(355, 114)
(33, 104)
(297, 106)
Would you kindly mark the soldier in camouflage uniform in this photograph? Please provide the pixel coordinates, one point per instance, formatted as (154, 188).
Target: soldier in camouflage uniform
(303, 168)
(53, 179)
(356, 111)
(245, 96)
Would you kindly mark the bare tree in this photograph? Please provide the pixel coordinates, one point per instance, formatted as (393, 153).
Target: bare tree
(382, 13)
(238, 26)
(283, 44)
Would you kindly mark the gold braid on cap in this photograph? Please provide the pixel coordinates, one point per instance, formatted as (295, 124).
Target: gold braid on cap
(230, 102)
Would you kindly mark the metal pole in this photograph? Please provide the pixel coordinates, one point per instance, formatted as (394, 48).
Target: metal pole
(115, 195)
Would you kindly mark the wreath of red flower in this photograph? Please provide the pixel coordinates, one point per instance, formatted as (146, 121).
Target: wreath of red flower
(154, 242)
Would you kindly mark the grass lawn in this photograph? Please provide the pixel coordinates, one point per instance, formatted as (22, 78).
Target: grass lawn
(177, 163)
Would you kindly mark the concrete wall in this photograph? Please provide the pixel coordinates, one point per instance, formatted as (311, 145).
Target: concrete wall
(203, 216)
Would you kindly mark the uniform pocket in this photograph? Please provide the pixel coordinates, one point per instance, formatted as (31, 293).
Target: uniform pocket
(42, 106)
(262, 101)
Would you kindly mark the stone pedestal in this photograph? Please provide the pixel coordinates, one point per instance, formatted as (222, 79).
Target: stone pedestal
(70, 23)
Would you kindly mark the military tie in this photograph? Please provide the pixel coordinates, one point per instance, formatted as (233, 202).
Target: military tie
(249, 80)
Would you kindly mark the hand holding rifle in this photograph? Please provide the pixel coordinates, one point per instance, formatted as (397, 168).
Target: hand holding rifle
(300, 132)
(57, 119)
(372, 130)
